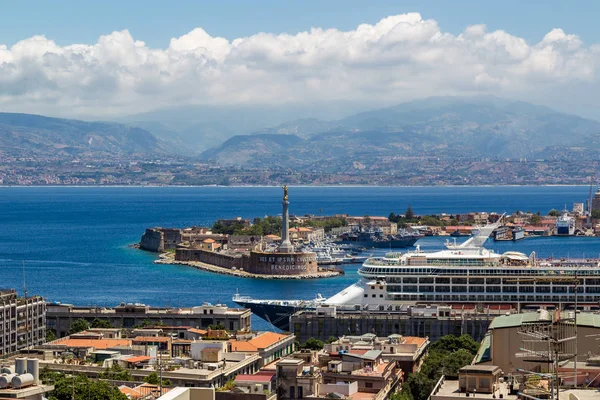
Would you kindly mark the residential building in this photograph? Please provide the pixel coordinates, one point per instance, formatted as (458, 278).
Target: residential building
(186, 393)
(407, 351)
(261, 382)
(372, 373)
(475, 382)
(270, 346)
(60, 316)
(22, 321)
(295, 380)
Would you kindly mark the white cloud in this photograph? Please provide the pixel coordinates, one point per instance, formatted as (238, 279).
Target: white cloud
(400, 58)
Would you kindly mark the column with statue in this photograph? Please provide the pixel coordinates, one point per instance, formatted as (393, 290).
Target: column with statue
(285, 246)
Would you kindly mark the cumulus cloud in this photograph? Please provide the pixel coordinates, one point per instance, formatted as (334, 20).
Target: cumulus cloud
(400, 58)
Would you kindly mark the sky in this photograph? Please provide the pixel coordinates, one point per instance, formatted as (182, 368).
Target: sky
(109, 59)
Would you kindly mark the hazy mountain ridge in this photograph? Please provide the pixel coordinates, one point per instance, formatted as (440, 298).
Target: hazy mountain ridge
(36, 135)
(441, 126)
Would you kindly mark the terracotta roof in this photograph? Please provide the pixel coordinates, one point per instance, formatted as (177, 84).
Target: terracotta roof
(267, 339)
(198, 331)
(209, 240)
(242, 346)
(131, 393)
(414, 340)
(255, 378)
(182, 341)
(138, 359)
(99, 344)
(356, 351)
(271, 236)
(152, 339)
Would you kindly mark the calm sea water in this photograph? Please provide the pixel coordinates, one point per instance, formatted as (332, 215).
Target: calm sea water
(74, 241)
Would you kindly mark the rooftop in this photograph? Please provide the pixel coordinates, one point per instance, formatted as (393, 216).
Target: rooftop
(95, 343)
(255, 378)
(515, 320)
(449, 389)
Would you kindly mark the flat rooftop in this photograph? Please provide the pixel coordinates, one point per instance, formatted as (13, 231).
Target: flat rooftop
(449, 389)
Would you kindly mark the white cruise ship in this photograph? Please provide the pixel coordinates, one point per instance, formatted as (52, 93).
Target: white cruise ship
(565, 225)
(465, 275)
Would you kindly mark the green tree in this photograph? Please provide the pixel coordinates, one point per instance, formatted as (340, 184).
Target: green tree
(116, 373)
(553, 213)
(101, 323)
(217, 327)
(596, 214)
(313, 344)
(78, 325)
(452, 343)
(409, 214)
(152, 379)
(455, 361)
(535, 219)
(50, 335)
(331, 339)
(81, 386)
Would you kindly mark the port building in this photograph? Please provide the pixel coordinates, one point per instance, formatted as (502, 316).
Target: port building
(59, 317)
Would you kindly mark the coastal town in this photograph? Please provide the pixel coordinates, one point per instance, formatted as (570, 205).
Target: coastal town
(300, 200)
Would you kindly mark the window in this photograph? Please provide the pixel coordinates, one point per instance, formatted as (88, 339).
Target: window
(366, 295)
(292, 392)
(369, 385)
(373, 296)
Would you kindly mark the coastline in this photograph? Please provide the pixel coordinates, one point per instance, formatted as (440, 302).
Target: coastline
(168, 259)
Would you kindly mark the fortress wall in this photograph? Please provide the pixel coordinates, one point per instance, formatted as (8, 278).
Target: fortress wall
(152, 240)
(209, 257)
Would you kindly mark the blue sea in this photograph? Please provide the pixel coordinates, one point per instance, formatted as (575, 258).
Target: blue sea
(72, 243)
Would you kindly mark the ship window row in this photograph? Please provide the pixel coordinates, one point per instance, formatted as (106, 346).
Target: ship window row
(483, 281)
(488, 289)
(492, 298)
(376, 271)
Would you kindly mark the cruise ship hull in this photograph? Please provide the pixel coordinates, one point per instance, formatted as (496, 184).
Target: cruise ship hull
(276, 314)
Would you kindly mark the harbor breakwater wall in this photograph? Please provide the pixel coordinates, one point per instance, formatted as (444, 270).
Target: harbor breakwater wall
(256, 262)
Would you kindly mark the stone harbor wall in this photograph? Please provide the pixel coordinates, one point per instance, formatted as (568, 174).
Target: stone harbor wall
(209, 257)
(256, 263)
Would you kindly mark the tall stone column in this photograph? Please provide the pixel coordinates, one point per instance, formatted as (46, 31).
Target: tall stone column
(285, 246)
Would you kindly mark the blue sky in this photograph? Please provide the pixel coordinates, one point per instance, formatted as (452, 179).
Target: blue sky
(155, 22)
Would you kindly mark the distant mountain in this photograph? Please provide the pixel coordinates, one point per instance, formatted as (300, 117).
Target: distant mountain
(35, 135)
(206, 126)
(437, 127)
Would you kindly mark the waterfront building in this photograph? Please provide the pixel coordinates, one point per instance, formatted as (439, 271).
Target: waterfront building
(61, 316)
(596, 201)
(22, 322)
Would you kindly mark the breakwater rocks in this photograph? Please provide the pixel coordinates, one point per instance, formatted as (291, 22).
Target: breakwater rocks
(169, 258)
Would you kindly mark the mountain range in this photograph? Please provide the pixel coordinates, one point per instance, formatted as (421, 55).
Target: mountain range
(439, 127)
(447, 127)
(39, 136)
